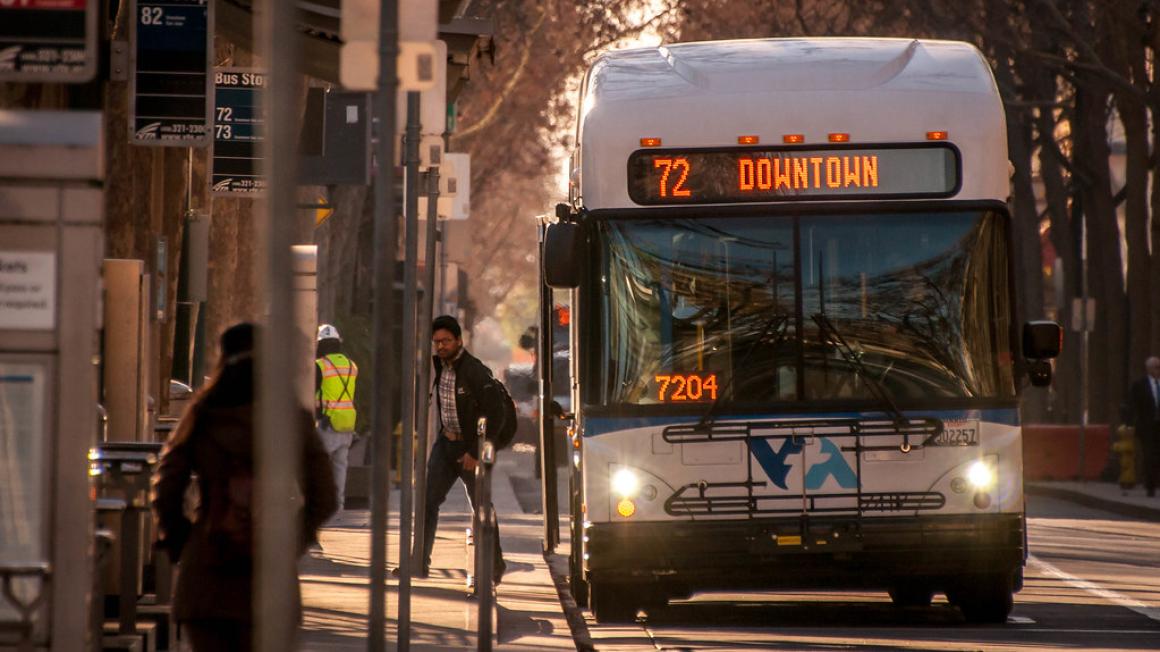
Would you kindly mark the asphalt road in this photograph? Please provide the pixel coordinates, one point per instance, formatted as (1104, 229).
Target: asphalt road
(1093, 582)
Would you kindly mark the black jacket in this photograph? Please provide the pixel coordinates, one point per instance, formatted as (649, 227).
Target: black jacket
(476, 395)
(1143, 407)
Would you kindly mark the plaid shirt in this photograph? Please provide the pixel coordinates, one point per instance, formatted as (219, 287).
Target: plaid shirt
(448, 414)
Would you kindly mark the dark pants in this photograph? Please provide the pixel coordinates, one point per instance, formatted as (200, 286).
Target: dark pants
(443, 469)
(1149, 465)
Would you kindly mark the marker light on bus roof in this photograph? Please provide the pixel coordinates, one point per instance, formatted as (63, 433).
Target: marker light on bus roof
(793, 139)
(936, 135)
(837, 137)
(748, 140)
(650, 142)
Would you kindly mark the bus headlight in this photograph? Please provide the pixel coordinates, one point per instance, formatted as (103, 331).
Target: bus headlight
(625, 483)
(981, 475)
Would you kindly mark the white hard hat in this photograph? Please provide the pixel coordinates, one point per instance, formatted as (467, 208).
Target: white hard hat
(328, 332)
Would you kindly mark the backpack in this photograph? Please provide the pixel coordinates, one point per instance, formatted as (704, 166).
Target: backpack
(506, 431)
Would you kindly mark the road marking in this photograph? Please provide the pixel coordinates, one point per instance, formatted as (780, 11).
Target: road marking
(1020, 620)
(1116, 632)
(1110, 596)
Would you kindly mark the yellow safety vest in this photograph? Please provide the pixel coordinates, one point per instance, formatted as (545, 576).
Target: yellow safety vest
(336, 394)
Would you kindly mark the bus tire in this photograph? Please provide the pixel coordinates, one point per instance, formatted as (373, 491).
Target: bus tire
(611, 603)
(576, 582)
(911, 595)
(986, 599)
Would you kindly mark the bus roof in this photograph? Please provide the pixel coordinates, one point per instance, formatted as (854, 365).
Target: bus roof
(708, 94)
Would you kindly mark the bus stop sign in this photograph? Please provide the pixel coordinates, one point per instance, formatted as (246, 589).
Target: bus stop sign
(48, 40)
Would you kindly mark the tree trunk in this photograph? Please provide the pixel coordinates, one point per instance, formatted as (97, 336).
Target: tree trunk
(1108, 341)
(1135, 119)
(1026, 246)
(1063, 238)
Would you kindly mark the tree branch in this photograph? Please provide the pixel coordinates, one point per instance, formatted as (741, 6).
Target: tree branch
(493, 110)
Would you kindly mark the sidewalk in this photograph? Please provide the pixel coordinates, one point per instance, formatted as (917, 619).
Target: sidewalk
(1102, 495)
(443, 617)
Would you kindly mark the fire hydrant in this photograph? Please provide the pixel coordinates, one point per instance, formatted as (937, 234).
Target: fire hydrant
(1125, 447)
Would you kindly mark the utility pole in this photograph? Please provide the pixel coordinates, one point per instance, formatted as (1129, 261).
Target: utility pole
(410, 295)
(276, 463)
(385, 242)
(424, 386)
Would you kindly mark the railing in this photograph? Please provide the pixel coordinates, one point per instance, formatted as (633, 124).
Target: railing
(125, 469)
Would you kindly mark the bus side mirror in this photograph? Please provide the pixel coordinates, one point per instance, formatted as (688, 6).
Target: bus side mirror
(563, 250)
(1042, 340)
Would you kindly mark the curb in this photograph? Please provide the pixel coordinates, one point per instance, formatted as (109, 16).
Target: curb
(1088, 500)
(557, 566)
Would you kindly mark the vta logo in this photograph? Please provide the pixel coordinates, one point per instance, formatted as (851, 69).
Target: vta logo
(776, 467)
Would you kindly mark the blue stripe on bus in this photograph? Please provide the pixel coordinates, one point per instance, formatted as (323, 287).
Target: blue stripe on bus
(604, 425)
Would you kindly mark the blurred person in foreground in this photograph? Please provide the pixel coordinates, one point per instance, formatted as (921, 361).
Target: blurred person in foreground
(215, 440)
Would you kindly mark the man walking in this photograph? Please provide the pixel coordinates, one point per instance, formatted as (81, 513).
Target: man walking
(465, 391)
(334, 383)
(1145, 398)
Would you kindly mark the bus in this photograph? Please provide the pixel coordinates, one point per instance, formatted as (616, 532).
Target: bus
(794, 356)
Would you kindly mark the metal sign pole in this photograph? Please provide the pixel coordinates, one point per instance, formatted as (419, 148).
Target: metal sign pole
(276, 463)
(410, 295)
(384, 368)
(424, 389)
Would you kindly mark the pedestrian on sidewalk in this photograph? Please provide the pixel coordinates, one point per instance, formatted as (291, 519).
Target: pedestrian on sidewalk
(465, 390)
(213, 599)
(1145, 403)
(335, 376)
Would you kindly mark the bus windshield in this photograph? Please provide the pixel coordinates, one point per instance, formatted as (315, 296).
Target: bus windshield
(756, 310)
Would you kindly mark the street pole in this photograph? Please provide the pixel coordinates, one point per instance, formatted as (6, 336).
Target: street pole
(275, 462)
(547, 419)
(1083, 350)
(410, 293)
(424, 386)
(385, 245)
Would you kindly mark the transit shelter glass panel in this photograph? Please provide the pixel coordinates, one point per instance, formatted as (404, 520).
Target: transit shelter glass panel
(752, 310)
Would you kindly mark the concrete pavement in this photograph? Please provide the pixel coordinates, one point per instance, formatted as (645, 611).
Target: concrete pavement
(1107, 496)
(443, 615)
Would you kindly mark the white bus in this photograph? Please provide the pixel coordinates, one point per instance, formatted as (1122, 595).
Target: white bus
(794, 357)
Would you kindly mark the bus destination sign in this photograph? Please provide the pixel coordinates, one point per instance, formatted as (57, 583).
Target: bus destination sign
(170, 84)
(772, 174)
(48, 40)
(238, 132)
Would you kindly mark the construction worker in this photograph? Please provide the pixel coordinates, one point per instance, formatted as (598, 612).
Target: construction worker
(334, 382)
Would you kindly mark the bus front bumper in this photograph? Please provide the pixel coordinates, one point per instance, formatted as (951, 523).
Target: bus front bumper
(805, 553)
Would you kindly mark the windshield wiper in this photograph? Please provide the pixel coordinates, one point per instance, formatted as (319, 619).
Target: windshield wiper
(830, 333)
(779, 322)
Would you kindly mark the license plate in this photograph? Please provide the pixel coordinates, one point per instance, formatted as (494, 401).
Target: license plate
(958, 433)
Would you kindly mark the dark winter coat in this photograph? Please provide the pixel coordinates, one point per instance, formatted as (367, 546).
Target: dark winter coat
(207, 588)
(476, 395)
